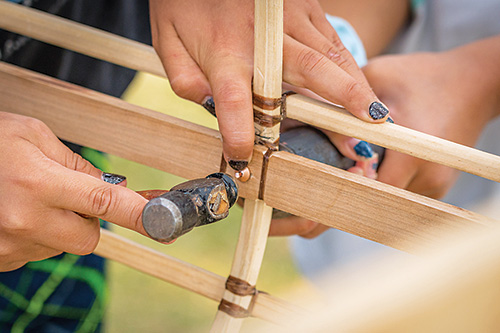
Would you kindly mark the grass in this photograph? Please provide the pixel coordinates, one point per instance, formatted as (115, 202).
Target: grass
(140, 303)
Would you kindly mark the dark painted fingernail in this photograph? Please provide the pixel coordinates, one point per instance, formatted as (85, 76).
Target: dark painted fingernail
(389, 120)
(378, 110)
(363, 149)
(209, 105)
(113, 178)
(238, 165)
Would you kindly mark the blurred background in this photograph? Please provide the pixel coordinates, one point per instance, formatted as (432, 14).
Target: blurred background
(141, 303)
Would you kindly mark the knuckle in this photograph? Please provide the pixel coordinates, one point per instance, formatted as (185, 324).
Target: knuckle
(350, 91)
(232, 95)
(16, 226)
(305, 226)
(101, 199)
(6, 251)
(337, 43)
(311, 61)
(185, 84)
(76, 162)
(88, 245)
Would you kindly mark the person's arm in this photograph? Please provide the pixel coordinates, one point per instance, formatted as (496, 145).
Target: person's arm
(377, 22)
(452, 95)
(42, 185)
(206, 47)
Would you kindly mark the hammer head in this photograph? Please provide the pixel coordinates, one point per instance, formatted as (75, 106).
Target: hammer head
(190, 204)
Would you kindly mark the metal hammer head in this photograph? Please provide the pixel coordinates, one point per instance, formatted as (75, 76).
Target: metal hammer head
(188, 205)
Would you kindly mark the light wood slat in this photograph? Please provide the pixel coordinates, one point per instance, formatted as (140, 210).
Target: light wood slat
(80, 38)
(451, 289)
(361, 206)
(184, 275)
(176, 146)
(395, 137)
(268, 60)
(142, 57)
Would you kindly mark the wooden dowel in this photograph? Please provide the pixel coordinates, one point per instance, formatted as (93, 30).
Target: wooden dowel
(358, 205)
(184, 275)
(80, 38)
(395, 137)
(268, 59)
(119, 50)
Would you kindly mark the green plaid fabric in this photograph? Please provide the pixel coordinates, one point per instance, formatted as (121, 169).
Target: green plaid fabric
(66, 293)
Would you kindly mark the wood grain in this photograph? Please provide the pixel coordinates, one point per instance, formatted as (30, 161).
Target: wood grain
(184, 275)
(303, 187)
(268, 60)
(80, 38)
(115, 49)
(395, 137)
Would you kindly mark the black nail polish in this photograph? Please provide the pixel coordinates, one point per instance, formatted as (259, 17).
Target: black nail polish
(389, 120)
(113, 178)
(209, 105)
(238, 165)
(378, 110)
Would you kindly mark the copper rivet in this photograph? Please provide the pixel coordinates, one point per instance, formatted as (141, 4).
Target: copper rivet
(243, 175)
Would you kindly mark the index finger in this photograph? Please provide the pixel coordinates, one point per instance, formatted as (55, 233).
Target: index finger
(308, 68)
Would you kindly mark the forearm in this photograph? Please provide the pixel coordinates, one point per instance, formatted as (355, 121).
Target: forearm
(480, 63)
(377, 22)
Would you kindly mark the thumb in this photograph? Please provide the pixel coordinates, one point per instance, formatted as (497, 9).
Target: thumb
(81, 192)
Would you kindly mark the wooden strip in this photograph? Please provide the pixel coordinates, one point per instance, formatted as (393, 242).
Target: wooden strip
(184, 275)
(453, 289)
(395, 137)
(79, 38)
(361, 206)
(142, 57)
(172, 145)
(268, 59)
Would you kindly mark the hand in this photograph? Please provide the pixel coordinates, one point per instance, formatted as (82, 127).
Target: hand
(451, 95)
(42, 185)
(207, 50)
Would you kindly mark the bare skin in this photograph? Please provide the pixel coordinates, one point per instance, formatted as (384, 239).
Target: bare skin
(452, 95)
(37, 210)
(207, 50)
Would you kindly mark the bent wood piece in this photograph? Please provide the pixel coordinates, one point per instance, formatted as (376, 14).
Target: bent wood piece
(39, 25)
(78, 37)
(395, 137)
(334, 197)
(452, 289)
(184, 275)
(268, 59)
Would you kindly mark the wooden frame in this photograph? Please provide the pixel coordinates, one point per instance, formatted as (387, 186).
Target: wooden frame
(405, 221)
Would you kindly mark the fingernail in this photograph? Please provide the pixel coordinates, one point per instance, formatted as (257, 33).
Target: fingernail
(238, 165)
(377, 110)
(209, 105)
(389, 120)
(113, 178)
(363, 149)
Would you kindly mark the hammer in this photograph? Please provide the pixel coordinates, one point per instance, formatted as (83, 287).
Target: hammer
(170, 214)
(187, 205)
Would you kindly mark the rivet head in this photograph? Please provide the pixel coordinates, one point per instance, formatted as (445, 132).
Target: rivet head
(243, 175)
